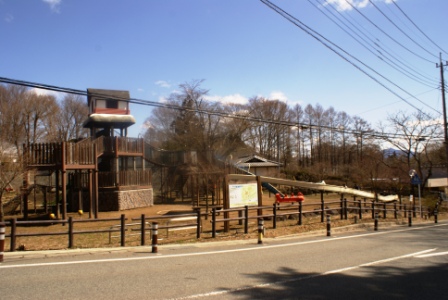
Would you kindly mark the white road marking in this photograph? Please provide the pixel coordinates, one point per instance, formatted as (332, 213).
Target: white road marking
(432, 254)
(255, 248)
(215, 293)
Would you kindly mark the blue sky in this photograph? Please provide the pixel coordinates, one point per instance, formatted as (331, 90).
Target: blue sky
(241, 48)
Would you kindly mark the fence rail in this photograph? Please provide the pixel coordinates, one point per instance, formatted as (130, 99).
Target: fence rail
(276, 212)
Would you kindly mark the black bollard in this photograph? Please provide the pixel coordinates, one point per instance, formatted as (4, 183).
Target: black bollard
(376, 222)
(155, 232)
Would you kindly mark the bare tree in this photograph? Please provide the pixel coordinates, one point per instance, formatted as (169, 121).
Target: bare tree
(12, 102)
(270, 139)
(412, 134)
(36, 111)
(64, 120)
(11, 167)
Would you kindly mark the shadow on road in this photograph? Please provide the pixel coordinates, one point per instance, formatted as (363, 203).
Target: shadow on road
(369, 283)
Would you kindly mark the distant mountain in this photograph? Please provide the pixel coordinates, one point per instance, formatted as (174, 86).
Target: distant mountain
(391, 151)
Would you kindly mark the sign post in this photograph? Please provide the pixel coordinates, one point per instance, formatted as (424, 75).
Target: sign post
(415, 180)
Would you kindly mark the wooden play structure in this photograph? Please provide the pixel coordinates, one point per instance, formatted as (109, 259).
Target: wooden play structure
(109, 171)
(103, 172)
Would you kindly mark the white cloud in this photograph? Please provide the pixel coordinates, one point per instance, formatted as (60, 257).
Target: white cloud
(277, 95)
(43, 92)
(163, 100)
(240, 99)
(54, 4)
(163, 83)
(235, 98)
(343, 5)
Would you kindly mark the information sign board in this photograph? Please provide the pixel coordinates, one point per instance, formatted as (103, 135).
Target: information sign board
(243, 194)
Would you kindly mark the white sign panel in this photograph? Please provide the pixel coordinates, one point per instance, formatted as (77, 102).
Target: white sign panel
(243, 194)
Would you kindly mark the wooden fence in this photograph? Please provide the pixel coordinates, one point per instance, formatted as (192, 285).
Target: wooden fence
(43, 154)
(51, 154)
(357, 210)
(124, 178)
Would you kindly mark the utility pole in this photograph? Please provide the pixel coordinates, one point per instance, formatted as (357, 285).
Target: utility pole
(445, 129)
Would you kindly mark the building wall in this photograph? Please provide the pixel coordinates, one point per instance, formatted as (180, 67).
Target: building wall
(437, 182)
(265, 171)
(128, 199)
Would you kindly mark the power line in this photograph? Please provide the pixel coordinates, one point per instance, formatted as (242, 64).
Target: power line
(396, 26)
(381, 54)
(386, 34)
(371, 133)
(418, 28)
(326, 43)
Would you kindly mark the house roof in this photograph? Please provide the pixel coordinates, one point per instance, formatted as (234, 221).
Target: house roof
(255, 161)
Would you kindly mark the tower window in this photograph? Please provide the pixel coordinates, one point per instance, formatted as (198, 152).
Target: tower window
(111, 103)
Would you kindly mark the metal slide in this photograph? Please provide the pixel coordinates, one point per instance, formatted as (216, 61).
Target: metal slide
(264, 184)
(323, 187)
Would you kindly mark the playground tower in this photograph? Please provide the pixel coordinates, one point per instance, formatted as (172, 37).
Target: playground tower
(120, 159)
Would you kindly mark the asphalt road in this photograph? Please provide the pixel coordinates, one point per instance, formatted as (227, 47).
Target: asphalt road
(398, 263)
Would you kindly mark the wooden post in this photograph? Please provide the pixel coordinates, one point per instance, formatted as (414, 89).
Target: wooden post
(123, 230)
(25, 195)
(12, 241)
(260, 196)
(213, 222)
(94, 181)
(57, 194)
(64, 194)
(64, 181)
(44, 189)
(226, 203)
(345, 209)
(322, 206)
(360, 210)
(70, 232)
(198, 221)
(143, 230)
(376, 222)
(274, 220)
(91, 202)
(341, 207)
